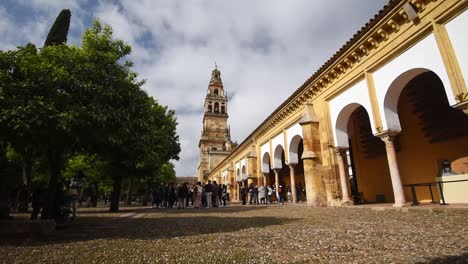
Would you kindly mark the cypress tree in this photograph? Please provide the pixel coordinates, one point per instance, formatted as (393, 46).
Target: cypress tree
(59, 30)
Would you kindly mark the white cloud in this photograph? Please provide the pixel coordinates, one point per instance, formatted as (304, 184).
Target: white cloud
(264, 49)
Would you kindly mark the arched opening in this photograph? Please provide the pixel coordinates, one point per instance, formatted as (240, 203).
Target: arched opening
(216, 92)
(210, 108)
(431, 130)
(244, 175)
(223, 109)
(368, 176)
(267, 171)
(296, 148)
(279, 164)
(216, 107)
(238, 184)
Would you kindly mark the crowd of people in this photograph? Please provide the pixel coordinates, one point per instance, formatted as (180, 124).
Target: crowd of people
(197, 195)
(265, 193)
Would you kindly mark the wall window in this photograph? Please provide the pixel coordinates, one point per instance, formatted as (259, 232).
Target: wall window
(216, 107)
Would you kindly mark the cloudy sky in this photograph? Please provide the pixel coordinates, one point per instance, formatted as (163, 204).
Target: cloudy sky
(265, 49)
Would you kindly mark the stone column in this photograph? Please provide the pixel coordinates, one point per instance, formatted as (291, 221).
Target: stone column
(389, 138)
(343, 166)
(276, 181)
(311, 156)
(293, 182)
(264, 179)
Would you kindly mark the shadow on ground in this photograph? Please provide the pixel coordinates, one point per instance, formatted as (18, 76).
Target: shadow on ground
(152, 224)
(463, 258)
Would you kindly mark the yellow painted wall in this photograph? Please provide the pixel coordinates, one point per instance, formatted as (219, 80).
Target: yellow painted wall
(419, 160)
(372, 174)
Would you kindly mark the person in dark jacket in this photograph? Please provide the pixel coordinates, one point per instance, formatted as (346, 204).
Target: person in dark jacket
(243, 193)
(182, 194)
(155, 197)
(39, 198)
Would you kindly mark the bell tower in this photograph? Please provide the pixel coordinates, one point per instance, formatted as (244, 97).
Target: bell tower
(215, 142)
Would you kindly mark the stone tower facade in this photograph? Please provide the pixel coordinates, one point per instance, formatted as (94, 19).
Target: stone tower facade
(215, 142)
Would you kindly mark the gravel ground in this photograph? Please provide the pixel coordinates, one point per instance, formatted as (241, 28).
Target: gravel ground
(263, 234)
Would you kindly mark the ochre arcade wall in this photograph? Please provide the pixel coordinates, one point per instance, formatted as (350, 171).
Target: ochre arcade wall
(420, 160)
(372, 173)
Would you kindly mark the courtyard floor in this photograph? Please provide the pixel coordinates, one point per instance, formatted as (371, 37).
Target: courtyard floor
(250, 234)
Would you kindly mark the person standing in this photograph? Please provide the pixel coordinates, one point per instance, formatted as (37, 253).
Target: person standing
(251, 188)
(243, 193)
(269, 193)
(197, 190)
(298, 192)
(154, 197)
(182, 193)
(209, 194)
(224, 194)
(76, 187)
(39, 198)
(288, 190)
(215, 194)
(262, 194)
(255, 195)
(280, 195)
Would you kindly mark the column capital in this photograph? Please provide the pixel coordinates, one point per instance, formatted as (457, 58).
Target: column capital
(387, 136)
(292, 165)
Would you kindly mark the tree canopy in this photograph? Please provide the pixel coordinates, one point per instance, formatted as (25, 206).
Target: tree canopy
(63, 100)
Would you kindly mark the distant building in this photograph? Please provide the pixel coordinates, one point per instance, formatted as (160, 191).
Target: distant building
(189, 179)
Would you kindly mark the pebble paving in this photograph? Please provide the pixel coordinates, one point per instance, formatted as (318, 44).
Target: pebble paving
(250, 234)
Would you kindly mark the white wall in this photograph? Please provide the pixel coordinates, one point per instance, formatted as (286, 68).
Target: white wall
(294, 130)
(277, 140)
(458, 34)
(265, 148)
(356, 94)
(424, 55)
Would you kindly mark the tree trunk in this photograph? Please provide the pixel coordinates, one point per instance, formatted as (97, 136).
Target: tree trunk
(54, 159)
(23, 196)
(4, 208)
(128, 199)
(115, 196)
